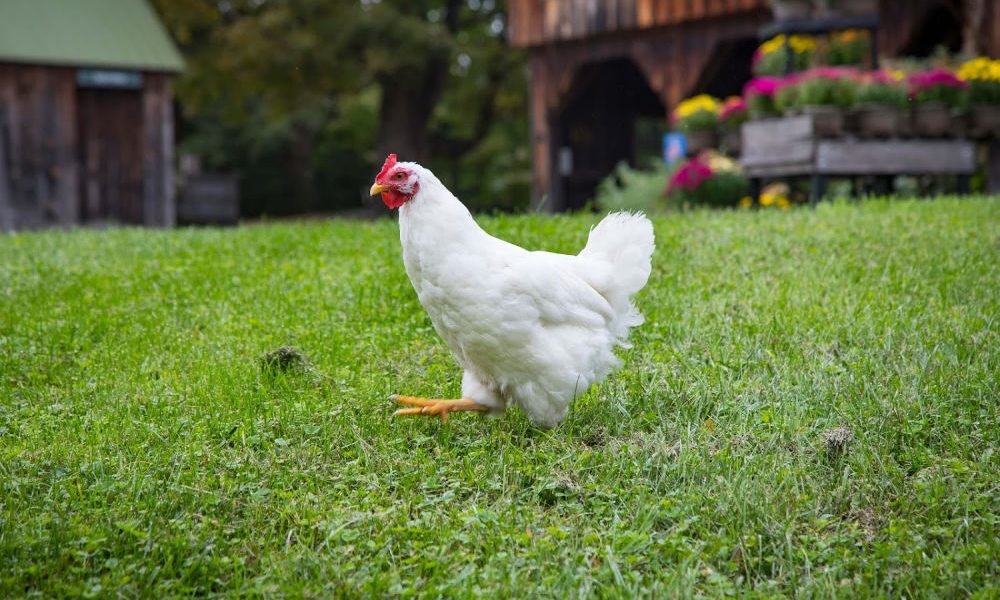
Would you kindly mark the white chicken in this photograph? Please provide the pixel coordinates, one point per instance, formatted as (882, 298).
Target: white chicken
(530, 329)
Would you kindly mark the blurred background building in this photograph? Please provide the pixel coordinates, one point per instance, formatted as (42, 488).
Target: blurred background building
(601, 69)
(294, 105)
(86, 114)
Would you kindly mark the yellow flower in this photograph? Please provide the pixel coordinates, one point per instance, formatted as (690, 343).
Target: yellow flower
(979, 69)
(775, 194)
(746, 202)
(692, 105)
(801, 44)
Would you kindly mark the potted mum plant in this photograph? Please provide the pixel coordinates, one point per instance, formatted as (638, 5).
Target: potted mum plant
(824, 94)
(982, 75)
(936, 94)
(758, 94)
(708, 179)
(848, 48)
(697, 118)
(880, 102)
(732, 115)
(771, 58)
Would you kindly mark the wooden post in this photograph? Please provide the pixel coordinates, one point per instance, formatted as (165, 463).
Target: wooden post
(159, 206)
(6, 201)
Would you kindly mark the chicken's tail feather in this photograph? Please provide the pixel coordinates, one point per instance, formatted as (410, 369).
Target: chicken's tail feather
(623, 244)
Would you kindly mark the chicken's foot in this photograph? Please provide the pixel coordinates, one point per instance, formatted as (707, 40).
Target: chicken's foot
(433, 406)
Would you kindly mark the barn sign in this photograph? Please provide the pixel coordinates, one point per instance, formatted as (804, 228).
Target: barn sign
(106, 79)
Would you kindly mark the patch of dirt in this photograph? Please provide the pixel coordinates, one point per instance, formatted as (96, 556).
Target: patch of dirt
(868, 520)
(284, 360)
(837, 441)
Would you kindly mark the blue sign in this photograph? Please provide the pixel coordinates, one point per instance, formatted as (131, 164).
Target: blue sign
(674, 147)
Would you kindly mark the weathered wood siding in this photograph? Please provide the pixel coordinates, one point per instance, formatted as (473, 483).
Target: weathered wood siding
(158, 151)
(536, 22)
(38, 177)
(72, 155)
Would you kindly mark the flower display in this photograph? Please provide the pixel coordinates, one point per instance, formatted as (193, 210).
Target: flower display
(710, 178)
(983, 78)
(937, 85)
(884, 76)
(698, 113)
(770, 57)
(979, 69)
(776, 195)
(689, 175)
(848, 47)
(759, 94)
(800, 44)
(733, 111)
(820, 86)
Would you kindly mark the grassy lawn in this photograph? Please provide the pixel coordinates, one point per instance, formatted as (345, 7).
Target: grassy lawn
(811, 408)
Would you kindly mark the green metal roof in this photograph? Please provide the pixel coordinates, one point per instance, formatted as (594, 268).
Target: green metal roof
(124, 34)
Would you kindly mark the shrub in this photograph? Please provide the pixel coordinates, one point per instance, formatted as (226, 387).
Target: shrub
(633, 189)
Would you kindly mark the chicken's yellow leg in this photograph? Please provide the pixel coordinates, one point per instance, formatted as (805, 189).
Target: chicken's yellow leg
(433, 406)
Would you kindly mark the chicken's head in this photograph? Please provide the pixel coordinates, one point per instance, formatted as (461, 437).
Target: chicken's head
(396, 183)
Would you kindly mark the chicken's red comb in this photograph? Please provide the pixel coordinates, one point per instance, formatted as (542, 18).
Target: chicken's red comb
(390, 162)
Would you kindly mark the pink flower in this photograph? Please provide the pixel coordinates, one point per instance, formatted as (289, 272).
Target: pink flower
(689, 175)
(763, 86)
(935, 77)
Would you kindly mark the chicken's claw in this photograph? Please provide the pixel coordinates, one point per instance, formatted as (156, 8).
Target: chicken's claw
(432, 406)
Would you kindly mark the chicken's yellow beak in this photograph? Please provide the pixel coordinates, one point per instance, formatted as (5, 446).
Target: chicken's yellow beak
(377, 188)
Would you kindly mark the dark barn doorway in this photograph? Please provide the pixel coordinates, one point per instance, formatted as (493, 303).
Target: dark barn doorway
(111, 155)
(597, 128)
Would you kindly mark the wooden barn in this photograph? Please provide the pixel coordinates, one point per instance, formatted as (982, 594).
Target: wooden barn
(86, 119)
(599, 68)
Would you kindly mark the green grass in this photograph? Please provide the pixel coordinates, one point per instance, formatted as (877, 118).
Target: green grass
(145, 452)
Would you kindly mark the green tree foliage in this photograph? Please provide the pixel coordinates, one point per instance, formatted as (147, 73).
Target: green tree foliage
(304, 98)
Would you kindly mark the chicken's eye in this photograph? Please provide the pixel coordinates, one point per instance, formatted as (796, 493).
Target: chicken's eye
(398, 176)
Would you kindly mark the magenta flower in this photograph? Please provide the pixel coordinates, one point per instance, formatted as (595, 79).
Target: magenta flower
(689, 175)
(762, 86)
(920, 82)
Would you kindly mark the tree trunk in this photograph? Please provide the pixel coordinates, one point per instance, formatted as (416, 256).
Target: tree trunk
(973, 17)
(300, 170)
(403, 122)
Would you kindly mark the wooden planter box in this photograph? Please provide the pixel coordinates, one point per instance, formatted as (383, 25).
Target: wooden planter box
(787, 147)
